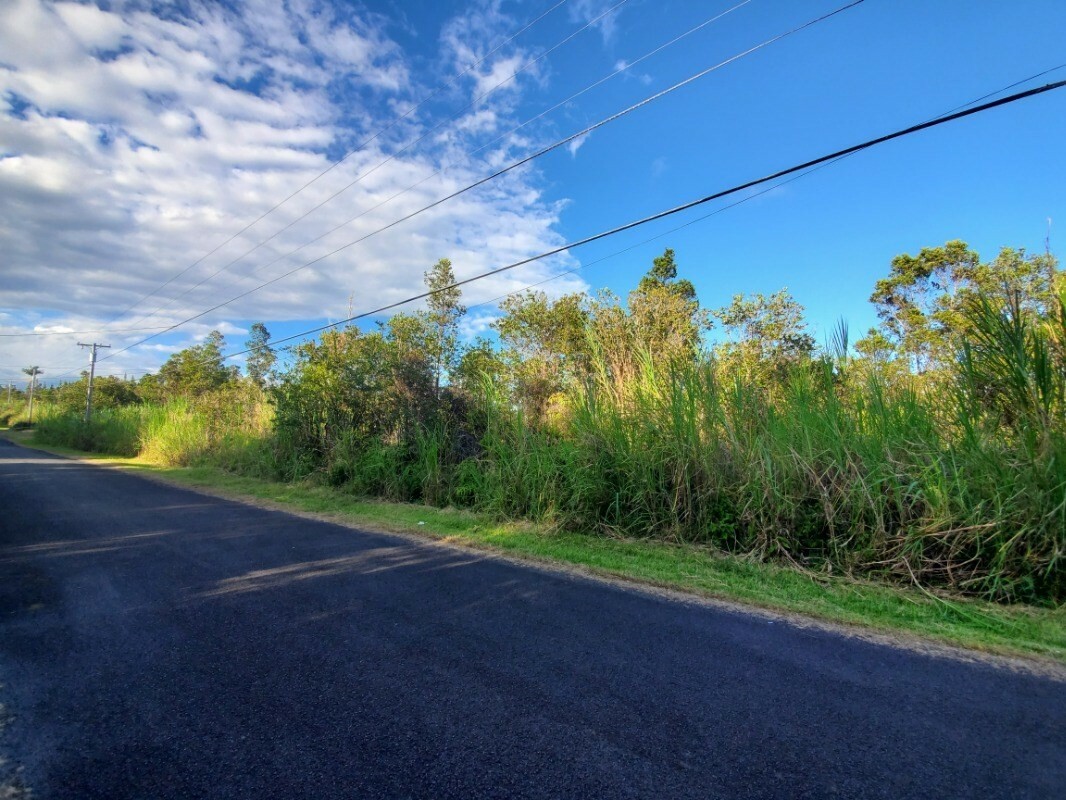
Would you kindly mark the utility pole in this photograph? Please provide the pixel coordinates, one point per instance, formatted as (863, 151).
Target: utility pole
(92, 374)
(33, 372)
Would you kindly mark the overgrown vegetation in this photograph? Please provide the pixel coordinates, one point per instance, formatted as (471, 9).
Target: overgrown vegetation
(932, 452)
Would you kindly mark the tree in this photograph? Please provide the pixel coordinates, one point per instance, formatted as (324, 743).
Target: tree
(479, 362)
(914, 301)
(352, 389)
(196, 370)
(875, 346)
(443, 315)
(666, 317)
(410, 359)
(261, 357)
(614, 352)
(770, 330)
(109, 391)
(1013, 278)
(922, 303)
(546, 345)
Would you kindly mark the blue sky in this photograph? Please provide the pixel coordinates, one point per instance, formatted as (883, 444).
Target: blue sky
(138, 139)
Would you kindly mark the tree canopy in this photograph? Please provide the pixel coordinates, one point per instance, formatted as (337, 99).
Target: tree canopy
(193, 371)
(922, 301)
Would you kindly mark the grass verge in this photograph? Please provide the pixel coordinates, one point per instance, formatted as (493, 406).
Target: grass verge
(1005, 630)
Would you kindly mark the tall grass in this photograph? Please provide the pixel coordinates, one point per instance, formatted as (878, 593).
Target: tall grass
(230, 430)
(116, 431)
(868, 479)
(14, 412)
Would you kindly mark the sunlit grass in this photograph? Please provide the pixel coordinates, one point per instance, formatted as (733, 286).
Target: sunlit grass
(857, 477)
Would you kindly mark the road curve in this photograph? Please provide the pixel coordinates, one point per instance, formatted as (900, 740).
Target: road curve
(159, 643)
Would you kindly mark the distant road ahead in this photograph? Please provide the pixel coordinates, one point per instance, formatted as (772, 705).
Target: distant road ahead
(158, 643)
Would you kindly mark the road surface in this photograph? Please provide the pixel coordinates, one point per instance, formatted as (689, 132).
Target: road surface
(158, 643)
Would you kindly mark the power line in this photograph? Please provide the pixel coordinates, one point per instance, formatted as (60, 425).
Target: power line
(686, 206)
(77, 333)
(391, 157)
(584, 266)
(113, 373)
(438, 171)
(1040, 74)
(809, 166)
(599, 260)
(804, 168)
(803, 171)
(619, 252)
(760, 193)
(650, 239)
(498, 173)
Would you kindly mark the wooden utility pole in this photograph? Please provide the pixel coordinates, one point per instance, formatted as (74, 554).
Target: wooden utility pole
(92, 374)
(33, 372)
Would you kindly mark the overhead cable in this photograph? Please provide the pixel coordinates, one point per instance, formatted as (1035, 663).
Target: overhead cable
(498, 173)
(625, 67)
(683, 207)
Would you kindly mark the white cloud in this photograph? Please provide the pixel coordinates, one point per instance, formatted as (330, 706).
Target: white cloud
(91, 26)
(131, 144)
(622, 64)
(478, 324)
(588, 10)
(575, 144)
(472, 45)
(499, 74)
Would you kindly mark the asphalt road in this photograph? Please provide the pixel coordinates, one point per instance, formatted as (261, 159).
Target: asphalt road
(158, 643)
